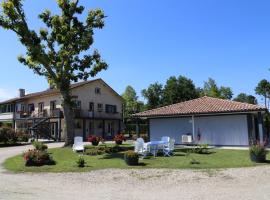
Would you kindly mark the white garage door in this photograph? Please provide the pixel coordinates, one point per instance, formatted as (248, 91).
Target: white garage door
(214, 130)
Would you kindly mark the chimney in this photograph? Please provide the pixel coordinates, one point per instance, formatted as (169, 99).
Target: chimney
(21, 92)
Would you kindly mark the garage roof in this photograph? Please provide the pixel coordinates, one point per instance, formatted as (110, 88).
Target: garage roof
(203, 105)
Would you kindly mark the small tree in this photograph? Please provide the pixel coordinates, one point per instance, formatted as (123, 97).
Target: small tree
(263, 88)
(58, 52)
(153, 94)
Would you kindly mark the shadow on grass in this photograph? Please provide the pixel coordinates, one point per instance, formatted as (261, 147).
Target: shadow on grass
(113, 155)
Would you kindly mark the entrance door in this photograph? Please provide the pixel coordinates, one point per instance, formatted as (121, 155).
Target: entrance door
(54, 129)
(110, 129)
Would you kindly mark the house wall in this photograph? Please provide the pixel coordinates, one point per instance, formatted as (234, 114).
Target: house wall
(214, 130)
(85, 94)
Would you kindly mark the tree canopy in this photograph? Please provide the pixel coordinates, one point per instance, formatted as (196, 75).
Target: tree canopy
(153, 94)
(179, 89)
(245, 98)
(211, 89)
(263, 89)
(60, 50)
(131, 103)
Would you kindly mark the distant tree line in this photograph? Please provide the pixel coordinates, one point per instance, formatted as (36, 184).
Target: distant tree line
(179, 89)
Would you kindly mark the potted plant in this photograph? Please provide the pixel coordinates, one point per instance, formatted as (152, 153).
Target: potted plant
(257, 152)
(131, 158)
(119, 138)
(94, 140)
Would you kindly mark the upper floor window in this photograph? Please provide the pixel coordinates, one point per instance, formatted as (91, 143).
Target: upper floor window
(111, 108)
(97, 90)
(52, 105)
(100, 107)
(78, 104)
(40, 107)
(91, 106)
(31, 108)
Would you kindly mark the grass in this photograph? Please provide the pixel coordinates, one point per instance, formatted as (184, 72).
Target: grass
(66, 161)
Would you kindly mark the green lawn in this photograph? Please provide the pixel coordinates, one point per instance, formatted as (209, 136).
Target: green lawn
(66, 161)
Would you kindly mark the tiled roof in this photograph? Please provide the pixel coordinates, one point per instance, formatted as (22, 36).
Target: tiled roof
(54, 91)
(203, 105)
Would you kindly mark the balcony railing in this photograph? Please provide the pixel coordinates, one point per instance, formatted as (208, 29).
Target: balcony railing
(41, 114)
(90, 114)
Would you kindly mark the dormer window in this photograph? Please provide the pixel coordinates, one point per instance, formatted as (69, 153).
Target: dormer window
(97, 90)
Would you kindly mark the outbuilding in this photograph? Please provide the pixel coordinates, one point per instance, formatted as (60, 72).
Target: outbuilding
(208, 120)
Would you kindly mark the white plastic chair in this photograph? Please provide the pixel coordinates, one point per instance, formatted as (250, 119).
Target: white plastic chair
(168, 149)
(165, 139)
(142, 148)
(78, 144)
(140, 140)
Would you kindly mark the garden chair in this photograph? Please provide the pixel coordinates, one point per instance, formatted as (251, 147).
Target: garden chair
(140, 140)
(78, 144)
(168, 149)
(142, 148)
(165, 139)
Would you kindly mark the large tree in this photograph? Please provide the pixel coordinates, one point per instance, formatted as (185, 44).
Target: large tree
(179, 89)
(60, 51)
(131, 103)
(153, 94)
(245, 98)
(263, 88)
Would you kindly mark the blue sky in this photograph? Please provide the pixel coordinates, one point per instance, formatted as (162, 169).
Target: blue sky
(148, 41)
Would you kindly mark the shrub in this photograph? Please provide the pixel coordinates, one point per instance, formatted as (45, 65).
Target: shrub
(258, 152)
(81, 162)
(131, 158)
(119, 138)
(8, 135)
(94, 140)
(40, 146)
(22, 136)
(202, 149)
(34, 157)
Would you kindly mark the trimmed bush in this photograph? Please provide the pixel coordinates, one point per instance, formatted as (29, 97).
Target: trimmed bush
(258, 152)
(34, 157)
(9, 136)
(131, 158)
(40, 146)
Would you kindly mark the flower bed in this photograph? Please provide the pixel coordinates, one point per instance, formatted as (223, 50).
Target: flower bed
(119, 138)
(38, 156)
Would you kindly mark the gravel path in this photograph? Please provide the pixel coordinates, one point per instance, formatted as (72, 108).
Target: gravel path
(150, 184)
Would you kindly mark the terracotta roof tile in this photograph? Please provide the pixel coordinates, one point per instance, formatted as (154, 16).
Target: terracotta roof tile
(203, 105)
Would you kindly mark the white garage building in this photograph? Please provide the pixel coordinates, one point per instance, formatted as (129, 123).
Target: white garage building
(209, 120)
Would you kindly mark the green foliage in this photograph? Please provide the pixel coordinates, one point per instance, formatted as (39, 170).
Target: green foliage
(60, 50)
(34, 157)
(179, 89)
(242, 97)
(81, 162)
(40, 146)
(258, 150)
(211, 89)
(9, 136)
(131, 103)
(263, 88)
(153, 94)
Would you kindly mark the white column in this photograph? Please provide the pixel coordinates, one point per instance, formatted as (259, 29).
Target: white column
(260, 122)
(193, 127)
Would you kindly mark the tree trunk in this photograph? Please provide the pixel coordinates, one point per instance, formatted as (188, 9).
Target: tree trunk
(68, 118)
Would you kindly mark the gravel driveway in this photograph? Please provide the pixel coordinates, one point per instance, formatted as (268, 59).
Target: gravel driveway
(150, 184)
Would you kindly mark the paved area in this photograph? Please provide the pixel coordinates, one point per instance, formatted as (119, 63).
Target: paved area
(150, 184)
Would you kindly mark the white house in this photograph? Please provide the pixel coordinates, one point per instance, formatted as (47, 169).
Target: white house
(98, 111)
(209, 120)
